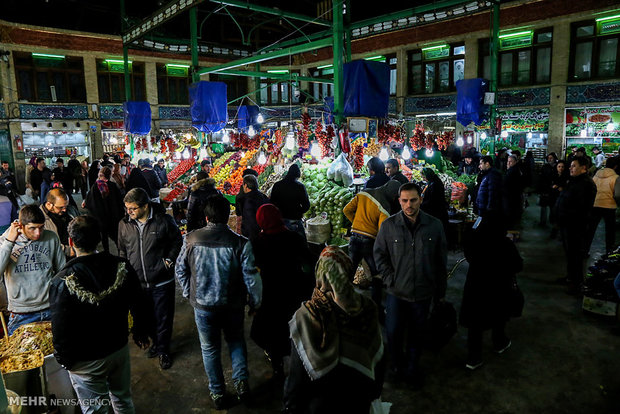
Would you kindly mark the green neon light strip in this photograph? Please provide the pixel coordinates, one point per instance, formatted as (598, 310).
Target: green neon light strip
(176, 65)
(375, 58)
(45, 55)
(529, 32)
(117, 61)
(324, 67)
(278, 71)
(434, 47)
(608, 18)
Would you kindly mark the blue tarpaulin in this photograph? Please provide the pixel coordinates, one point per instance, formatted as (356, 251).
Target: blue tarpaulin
(470, 101)
(137, 116)
(247, 116)
(208, 106)
(366, 88)
(328, 108)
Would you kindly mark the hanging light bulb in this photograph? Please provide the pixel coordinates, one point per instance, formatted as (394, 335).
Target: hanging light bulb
(186, 154)
(203, 153)
(483, 135)
(469, 139)
(315, 151)
(584, 133)
(290, 141)
(406, 154)
(429, 152)
(610, 127)
(504, 134)
(251, 131)
(460, 142)
(260, 118)
(383, 154)
(529, 135)
(261, 158)
(226, 138)
(177, 155)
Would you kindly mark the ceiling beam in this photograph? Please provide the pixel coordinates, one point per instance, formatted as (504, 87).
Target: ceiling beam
(271, 10)
(318, 44)
(283, 76)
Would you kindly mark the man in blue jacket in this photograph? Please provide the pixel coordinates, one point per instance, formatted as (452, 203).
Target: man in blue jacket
(490, 193)
(216, 272)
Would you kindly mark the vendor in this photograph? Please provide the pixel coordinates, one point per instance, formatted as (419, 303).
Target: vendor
(469, 164)
(392, 169)
(378, 177)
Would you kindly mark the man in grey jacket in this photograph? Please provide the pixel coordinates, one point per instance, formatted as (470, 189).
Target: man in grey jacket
(216, 272)
(30, 256)
(410, 252)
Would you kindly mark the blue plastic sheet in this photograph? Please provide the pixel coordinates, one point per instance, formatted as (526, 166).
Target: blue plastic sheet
(137, 116)
(366, 88)
(328, 108)
(247, 116)
(208, 106)
(470, 101)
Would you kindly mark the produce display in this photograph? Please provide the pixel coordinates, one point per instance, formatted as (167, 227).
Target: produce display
(331, 199)
(183, 167)
(27, 347)
(179, 189)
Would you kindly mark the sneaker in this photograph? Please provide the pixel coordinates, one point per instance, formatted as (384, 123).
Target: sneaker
(243, 390)
(473, 365)
(165, 362)
(152, 352)
(505, 347)
(218, 400)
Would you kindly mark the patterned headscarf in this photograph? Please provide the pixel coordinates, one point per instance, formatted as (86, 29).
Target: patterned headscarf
(325, 335)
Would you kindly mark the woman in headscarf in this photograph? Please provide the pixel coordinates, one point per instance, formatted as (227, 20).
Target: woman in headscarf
(337, 354)
(93, 173)
(105, 202)
(287, 282)
(290, 196)
(117, 177)
(136, 180)
(434, 197)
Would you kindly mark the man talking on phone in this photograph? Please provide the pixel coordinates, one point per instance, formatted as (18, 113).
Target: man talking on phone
(30, 256)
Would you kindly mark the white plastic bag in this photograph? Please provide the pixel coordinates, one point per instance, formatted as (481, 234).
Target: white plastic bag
(379, 407)
(341, 170)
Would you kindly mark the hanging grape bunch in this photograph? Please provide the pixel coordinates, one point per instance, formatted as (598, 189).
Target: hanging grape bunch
(444, 140)
(302, 137)
(321, 136)
(358, 156)
(418, 140)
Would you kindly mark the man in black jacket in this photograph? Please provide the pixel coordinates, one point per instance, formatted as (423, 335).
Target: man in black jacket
(252, 200)
(151, 178)
(201, 190)
(489, 197)
(96, 290)
(150, 239)
(392, 168)
(378, 177)
(160, 170)
(574, 207)
(290, 196)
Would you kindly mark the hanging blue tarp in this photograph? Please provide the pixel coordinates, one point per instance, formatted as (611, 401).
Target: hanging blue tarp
(328, 108)
(208, 105)
(137, 116)
(366, 88)
(246, 116)
(470, 101)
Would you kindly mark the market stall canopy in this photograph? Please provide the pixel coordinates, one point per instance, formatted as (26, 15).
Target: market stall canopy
(366, 88)
(137, 117)
(247, 116)
(208, 106)
(470, 101)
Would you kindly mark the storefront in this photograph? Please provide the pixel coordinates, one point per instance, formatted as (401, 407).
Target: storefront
(53, 140)
(591, 127)
(113, 137)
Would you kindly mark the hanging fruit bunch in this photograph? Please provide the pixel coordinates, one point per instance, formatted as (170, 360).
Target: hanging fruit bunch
(324, 140)
(302, 137)
(389, 132)
(162, 146)
(418, 140)
(444, 140)
(279, 139)
(358, 155)
(138, 145)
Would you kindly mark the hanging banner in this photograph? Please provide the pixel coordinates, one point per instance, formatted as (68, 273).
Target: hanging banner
(529, 120)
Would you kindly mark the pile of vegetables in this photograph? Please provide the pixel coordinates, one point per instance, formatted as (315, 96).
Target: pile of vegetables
(330, 199)
(180, 169)
(178, 189)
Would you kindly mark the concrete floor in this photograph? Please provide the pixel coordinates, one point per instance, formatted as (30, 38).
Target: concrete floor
(561, 360)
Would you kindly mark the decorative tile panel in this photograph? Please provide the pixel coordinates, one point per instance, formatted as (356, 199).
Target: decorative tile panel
(2, 111)
(29, 111)
(174, 112)
(599, 92)
(524, 97)
(445, 103)
(392, 106)
(111, 112)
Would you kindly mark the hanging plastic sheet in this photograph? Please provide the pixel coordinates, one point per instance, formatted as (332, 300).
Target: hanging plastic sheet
(137, 117)
(470, 101)
(247, 116)
(208, 106)
(328, 108)
(366, 88)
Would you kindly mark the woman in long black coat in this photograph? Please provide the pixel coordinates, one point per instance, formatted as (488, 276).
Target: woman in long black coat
(284, 261)
(105, 202)
(434, 197)
(93, 173)
(493, 264)
(136, 180)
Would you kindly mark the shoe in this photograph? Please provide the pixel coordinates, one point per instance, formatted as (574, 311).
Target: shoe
(165, 362)
(152, 352)
(218, 400)
(243, 390)
(473, 365)
(505, 347)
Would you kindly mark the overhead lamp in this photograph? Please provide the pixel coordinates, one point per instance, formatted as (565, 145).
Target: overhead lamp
(375, 58)
(469, 139)
(251, 131)
(226, 137)
(504, 36)
(186, 153)
(260, 118)
(383, 154)
(177, 65)
(460, 142)
(117, 61)
(434, 47)
(290, 141)
(504, 134)
(47, 56)
(483, 135)
(602, 19)
(529, 135)
(203, 153)
(406, 154)
(282, 71)
(584, 133)
(324, 66)
(262, 160)
(429, 152)
(177, 155)
(315, 151)
(610, 127)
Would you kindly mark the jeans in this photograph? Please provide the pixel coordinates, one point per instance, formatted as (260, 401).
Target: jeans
(296, 226)
(404, 324)
(94, 381)
(360, 247)
(474, 341)
(45, 188)
(210, 325)
(161, 307)
(609, 217)
(617, 284)
(18, 319)
(574, 243)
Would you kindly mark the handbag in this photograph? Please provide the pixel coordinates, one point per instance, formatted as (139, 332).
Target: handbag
(517, 300)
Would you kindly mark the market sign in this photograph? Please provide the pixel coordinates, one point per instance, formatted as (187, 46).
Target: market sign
(608, 25)
(178, 70)
(531, 120)
(515, 40)
(436, 52)
(593, 122)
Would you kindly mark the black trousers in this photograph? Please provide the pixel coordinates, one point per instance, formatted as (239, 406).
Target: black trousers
(574, 239)
(609, 217)
(160, 306)
(474, 341)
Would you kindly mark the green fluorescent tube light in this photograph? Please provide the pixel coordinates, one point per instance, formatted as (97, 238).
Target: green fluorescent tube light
(278, 71)
(176, 65)
(45, 55)
(434, 47)
(117, 61)
(375, 58)
(608, 18)
(324, 67)
(529, 32)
